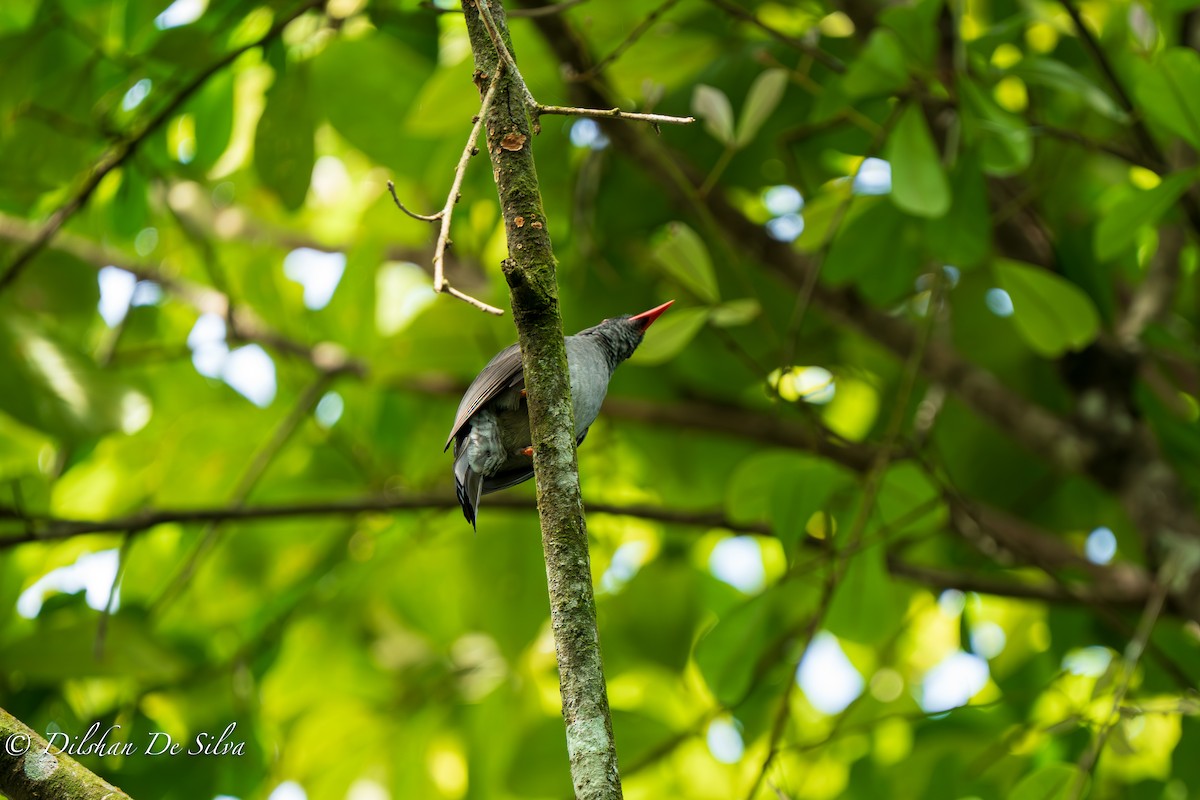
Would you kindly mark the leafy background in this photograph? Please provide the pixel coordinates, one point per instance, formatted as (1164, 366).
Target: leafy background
(826, 566)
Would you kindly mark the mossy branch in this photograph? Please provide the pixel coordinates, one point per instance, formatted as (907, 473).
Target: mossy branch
(533, 287)
(30, 768)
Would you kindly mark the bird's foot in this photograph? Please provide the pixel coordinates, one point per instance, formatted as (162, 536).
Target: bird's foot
(528, 451)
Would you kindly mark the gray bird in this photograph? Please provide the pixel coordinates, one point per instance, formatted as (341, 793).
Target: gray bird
(491, 430)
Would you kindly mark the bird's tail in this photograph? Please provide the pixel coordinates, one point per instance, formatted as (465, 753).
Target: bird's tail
(469, 485)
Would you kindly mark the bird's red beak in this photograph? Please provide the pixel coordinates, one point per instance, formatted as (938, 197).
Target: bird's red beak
(646, 318)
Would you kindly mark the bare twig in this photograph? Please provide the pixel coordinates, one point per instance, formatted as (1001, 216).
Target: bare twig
(391, 186)
(440, 284)
(616, 113)
(506, 57)
(123, 149)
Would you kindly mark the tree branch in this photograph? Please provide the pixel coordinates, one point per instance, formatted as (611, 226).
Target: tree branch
(53, 529)
(530, 272)
(30, 769)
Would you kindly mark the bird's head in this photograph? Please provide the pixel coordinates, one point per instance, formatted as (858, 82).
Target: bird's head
(620, 336)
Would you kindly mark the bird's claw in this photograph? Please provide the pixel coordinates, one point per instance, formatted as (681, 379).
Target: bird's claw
(528, 451)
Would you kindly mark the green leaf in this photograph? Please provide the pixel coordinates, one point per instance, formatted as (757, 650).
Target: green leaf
(866, 606)
(1054, 74)
(49, 386)
(1052, 314)
(735, 312)
(1168, 93)
(880, 68)
(963, 237)
(764, 95)
(683, 254)
(878, 251)
(1002, 139)
(728, 653)
(1051, 782)
(1119, 228)
(283, 143)
(350, 77)
(712, 106)
(783, 489)
(669, 336)
(212, 110)
(919, 184)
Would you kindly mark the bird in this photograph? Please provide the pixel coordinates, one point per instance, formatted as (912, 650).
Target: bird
(491, 438)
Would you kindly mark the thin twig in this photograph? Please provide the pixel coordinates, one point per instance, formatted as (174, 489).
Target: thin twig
(439, 254)
(544, 11)
(122, 150)
(391, 187)
(573, 111)
(506, 58)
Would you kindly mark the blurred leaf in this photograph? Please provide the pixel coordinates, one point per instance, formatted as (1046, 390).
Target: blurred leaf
(1167, 92)
(683, 254)
(1052, 314)
(1054, 74)
(1051, 782)
(783, 489)
(1119, 228)
(351, 77)
(878, 251)
(881, 68)
(46, 385)
(866, 605)
(1002, 139)
(963, 237)
(712, 106)
(732, 313)
(212, 109)
(283, 143)
(728, 654)
(763, 97)
(919, 184)
(669, 336)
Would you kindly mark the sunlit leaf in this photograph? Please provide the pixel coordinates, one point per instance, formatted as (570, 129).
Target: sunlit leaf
(1119, 228)
(712, 106)
(1167, 92)
(880, 69)
(669, 336)
(283, 143)
(763, 97)
(919, 184)
(1051, 782)
(682, 253)
(1052, 314)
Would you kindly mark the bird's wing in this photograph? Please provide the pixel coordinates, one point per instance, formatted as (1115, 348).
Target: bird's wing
(511, 477)
(502, 373)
